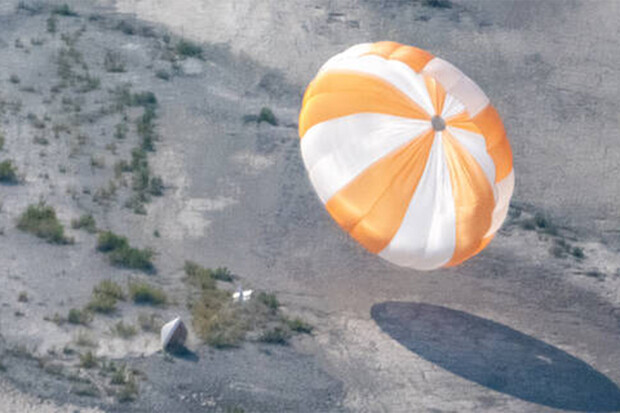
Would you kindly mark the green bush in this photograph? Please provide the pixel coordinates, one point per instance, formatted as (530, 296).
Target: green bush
(51, 23)
(40, 220)
(109, 288)
(438, 4)
(135, 258)
(144, 99)
(85, 222)
(276, 335)
(222, 274)
(121, 254)
(156, 186)
(545, 224)
(578, 253)
(188, 48)
(144, 293)
(299, 326)
(108, 241)
(64, 10)
(8, 172)
(266, 115)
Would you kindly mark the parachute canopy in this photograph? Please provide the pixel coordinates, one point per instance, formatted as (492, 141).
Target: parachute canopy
(407, 154)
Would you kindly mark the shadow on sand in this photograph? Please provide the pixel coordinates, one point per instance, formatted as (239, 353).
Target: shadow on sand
(497, 356)
(182, 352)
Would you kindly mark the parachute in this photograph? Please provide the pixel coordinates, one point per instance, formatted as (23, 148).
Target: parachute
(407, 154)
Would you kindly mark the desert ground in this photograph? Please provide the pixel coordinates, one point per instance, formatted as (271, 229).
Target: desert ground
(145, 115)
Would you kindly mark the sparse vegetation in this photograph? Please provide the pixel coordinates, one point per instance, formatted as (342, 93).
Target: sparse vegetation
(113, 62)
(52, 23)
(145, 293)
(120, 253)
(32, 8)
(126, 27)
(64, 10)
(269, 300)
(22, 297)
(130, 390)
(77, 316)
(102, 304)
(40, 220)
(109, 241)
(88, 360)
(276, 335)
(14, 79)
(150, 323)
(120, 131)
(35, 121)
(187, 48)
(123, 330)
(109, 288)
(85, 390)
(266, 115)
(163, 75)
(105, 296)
(84, 339)
(8, 173)
(438, 4)
(204, 278)
(1, 140)
(299, 326)
(85, 222)
(156, 187)
(578, 253)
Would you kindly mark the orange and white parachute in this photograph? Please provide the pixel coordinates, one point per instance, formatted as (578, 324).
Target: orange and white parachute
(407, 154)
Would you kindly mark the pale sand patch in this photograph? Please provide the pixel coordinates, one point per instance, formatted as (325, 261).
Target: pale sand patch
(253, 163)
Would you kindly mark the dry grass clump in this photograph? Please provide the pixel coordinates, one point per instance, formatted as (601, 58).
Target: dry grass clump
(105, 296)
(150, 323)
(221, 323)
(123, 330)
(88, 360)
(113, 62)
(77, 316)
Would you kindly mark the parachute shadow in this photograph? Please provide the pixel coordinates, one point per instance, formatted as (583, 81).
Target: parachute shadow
(498, 357)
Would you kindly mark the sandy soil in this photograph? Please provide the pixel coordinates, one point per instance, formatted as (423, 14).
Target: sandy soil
(387, 339)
